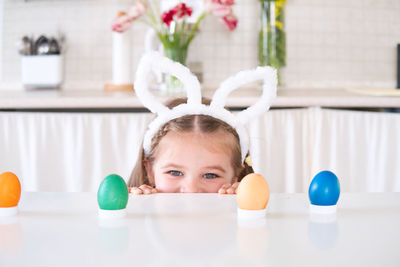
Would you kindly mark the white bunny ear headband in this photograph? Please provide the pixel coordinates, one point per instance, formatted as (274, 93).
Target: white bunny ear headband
(153, 61)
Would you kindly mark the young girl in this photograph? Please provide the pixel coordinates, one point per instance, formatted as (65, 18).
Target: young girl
(191, 154)
(193, 145)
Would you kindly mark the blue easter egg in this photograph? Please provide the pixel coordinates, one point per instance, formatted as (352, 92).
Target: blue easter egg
(324, 189)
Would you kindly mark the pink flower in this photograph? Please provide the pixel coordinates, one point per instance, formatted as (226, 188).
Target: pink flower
(219, 8)
(137, 10)
(227, 2)
(168, 16)
(182, 10)
(224, 2)
(231, 21)
(221, 11)
(178, 12)
(121, 23)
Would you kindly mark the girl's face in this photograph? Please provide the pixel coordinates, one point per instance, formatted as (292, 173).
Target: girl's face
(192, 163)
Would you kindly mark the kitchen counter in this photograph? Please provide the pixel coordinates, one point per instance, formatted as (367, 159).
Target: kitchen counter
(98, 99)
(63, 229)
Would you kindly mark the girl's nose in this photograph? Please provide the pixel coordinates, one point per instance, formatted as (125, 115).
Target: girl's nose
(190, 187)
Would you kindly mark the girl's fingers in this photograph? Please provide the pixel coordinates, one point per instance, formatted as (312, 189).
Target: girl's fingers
(143, 189)
(223, 189)
(233, 188)
(146, 189)
(136, 191)
(230, 190)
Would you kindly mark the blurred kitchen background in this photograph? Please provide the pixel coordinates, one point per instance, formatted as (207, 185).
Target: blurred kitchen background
(330, 44)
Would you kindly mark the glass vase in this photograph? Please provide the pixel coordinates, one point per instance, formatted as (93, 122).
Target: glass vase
(174, 87)
(272, 38)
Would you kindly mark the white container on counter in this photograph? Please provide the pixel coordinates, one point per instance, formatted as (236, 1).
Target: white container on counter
(122, 74)
(42, 71)
(121, 58)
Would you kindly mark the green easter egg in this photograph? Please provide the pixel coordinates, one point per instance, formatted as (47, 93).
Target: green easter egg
(113, 193)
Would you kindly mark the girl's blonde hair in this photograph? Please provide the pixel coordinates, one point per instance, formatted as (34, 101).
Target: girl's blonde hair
(205, 124)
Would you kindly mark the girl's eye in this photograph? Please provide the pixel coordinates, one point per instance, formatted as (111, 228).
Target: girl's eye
(210, 176)
(175, 173)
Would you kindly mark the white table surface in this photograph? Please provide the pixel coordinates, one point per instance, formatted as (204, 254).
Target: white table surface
(63, 229)
(92, 99)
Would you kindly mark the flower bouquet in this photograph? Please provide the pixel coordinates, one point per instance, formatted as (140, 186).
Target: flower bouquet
(172, 26)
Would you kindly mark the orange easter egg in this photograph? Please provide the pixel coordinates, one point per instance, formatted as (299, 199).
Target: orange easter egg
(253, 192)
(10, 190)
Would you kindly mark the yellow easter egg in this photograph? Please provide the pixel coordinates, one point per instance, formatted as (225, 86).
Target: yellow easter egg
(10, 190)
(253, 192)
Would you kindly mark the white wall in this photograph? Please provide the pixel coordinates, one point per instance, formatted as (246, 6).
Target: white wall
(329, 43)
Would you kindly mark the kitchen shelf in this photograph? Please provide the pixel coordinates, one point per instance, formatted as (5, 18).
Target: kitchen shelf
(127, 101)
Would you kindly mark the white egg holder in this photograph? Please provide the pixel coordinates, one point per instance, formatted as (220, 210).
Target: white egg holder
(112, 214)
(321, 209)
(251, 214)
(11, 211)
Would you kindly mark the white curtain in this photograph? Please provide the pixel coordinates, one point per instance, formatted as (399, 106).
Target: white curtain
(361, 148)
(75, 151)
(69, 151)
(280, 148)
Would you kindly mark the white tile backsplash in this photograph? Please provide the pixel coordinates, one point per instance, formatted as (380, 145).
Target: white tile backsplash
(329, 43)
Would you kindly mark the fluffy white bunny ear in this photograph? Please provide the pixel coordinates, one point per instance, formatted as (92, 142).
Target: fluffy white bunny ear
(267, 74)
(154, 61)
